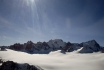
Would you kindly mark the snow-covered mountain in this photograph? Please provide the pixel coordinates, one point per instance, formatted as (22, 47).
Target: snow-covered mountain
(57, 44)
(90, 46)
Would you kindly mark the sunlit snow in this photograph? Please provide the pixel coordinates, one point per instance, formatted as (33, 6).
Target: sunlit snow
(57, 60)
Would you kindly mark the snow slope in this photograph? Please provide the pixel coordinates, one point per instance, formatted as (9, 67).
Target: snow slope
(58, 61)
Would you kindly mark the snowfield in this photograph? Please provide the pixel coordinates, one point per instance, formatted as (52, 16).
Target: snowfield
(57, 60)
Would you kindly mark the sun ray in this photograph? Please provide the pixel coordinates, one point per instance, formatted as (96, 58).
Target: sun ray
(35, 17)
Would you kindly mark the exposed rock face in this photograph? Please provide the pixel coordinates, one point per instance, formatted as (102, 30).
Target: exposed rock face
(102, 49)
(10, 65)
(3, 48)
(45, 46)
(74, 46)
(29, 46)
(67, 47)
(17, 47)
(56, 44)
(38, 46)
(1, 61)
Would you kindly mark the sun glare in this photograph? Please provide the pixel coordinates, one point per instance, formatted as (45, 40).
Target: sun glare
(32, 0)
(29, 2)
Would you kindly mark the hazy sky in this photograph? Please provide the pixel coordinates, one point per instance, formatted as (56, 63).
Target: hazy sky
(42, 20)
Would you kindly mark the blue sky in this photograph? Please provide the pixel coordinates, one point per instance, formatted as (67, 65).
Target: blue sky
(41, 20)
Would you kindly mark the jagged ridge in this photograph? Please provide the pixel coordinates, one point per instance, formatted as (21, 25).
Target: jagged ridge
(56, 44)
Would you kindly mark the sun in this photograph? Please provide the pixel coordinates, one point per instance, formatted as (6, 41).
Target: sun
(29, 2)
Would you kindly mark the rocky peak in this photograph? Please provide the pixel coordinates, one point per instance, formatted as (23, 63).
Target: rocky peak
(10, 65)
(90, 46)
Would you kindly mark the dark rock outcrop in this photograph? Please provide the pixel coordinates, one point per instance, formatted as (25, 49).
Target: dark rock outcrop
(74, 46)
(1, 61)
(17, 47)
(45, 46)
(10, 65)
(67, 47)
(29, 46)
(3, 48)
(102, 49)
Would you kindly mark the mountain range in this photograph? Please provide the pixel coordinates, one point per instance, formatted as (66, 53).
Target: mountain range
(61, 56)
(57, 44)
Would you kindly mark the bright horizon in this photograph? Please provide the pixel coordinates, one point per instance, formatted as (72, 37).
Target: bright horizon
(75, 21)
